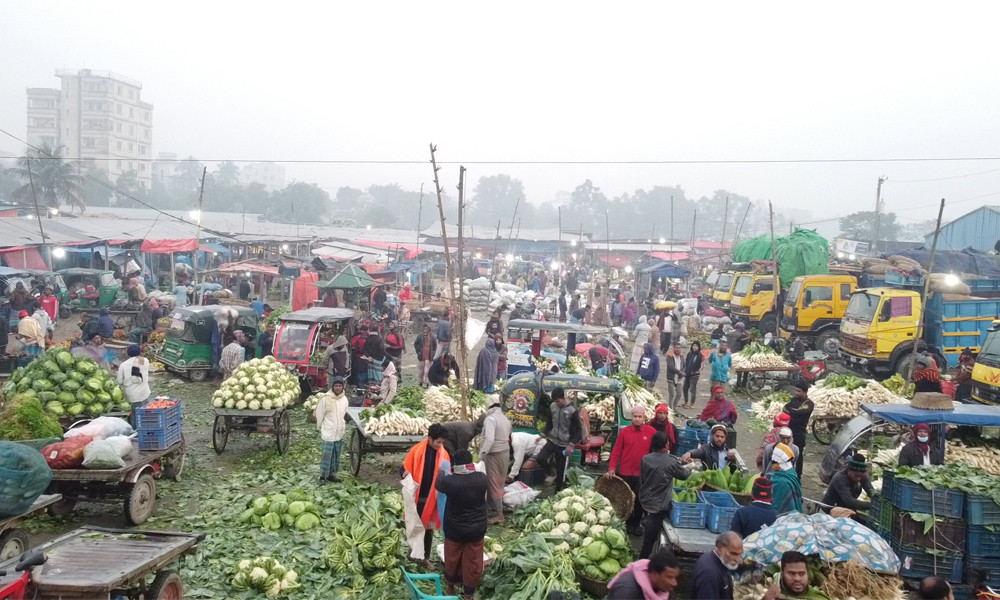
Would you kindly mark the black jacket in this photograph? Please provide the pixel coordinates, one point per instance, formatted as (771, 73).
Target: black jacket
(710, 579)
(692, 364)
(437, 374)
(465, 512)
(799, 422)
(843, 493)
(657, 472)
(911, 456)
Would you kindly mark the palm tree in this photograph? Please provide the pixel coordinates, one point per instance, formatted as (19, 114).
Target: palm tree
(55, 178)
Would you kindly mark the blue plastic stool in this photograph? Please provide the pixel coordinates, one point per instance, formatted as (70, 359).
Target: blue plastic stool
(416, 594)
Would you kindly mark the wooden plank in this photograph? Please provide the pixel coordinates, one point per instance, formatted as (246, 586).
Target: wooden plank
(133, 461)
(232, 412)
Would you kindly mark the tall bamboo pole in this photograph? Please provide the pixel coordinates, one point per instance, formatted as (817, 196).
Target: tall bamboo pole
(922, 323)
(460, 315)
(197, 240)
(774, 258)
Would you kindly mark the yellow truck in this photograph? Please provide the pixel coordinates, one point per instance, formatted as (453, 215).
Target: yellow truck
(753, 301)
(813, 308)
(723, 293)
(882, 325)
(986, 373)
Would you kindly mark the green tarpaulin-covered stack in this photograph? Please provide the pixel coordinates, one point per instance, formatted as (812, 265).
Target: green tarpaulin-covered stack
(801, 253)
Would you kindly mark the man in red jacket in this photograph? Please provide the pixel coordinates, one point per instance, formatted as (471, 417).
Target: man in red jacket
(632, 444)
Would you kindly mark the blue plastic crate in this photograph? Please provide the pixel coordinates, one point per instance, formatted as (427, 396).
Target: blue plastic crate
(721, 508)
(981, 510)
(981, 543)
(915, 563)
(684, 446)
(159, 439)
(688, 515)
(698, 435)
(913, 497)
(881, 515)
(888, 476)
(989, 566)
(158, 418)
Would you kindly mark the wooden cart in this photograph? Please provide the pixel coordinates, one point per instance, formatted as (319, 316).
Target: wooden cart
(383, 444)
(13, 541)
(94, 563)
(274, 421)
(135, 483)
(760, 377)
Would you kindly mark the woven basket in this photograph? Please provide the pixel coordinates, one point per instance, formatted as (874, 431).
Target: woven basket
(932, 401)
(594, 587)
(742, 499)
(617, 492)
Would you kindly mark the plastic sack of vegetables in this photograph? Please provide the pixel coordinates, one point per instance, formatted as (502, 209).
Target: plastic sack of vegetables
(101, 427)
(23, 477)
(67, 454)
(101, 454)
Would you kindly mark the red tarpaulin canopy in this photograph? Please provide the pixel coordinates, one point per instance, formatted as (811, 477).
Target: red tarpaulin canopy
(614, 260)
(670, 255)
(168, 246)
(23, 257)
(304, 291)
(411, 249)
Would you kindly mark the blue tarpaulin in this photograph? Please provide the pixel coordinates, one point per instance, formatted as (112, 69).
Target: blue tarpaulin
(217, 248)
(964, 414)
(666, 269)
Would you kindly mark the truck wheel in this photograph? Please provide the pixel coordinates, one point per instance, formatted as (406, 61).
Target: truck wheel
(905, 365)
(769, 323)
(828, 342)
(141, 500)
(13, 543)
(166, 586)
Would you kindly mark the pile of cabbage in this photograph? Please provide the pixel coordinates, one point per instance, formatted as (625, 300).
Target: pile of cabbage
(67, 385)
(264, 574)
(604, 556)
(574, 516)
(293, 510)
(258, 384)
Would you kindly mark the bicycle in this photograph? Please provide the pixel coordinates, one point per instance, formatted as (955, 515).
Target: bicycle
(17, 589)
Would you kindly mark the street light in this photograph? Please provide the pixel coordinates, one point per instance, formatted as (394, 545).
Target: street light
(840, 255)
(572, 242)
(59, 253)
(195, 215)
(284, 247)
(54, 211)
(368, 226)
(951, 279)
(554, 266)
(628, 268)
(663, 240)
(851, 257)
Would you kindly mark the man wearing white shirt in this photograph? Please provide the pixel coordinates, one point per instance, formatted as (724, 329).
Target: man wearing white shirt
(523, 445)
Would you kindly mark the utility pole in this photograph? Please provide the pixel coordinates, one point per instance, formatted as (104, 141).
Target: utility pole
(694, 223)
(197, 241)
(463, 351)
(41, 231)
(671, 224)
(513, 217)
(774, 257)
(921, 324)
(420, 212)
(557, 276)
(722, 240)
(878, 211)
(739, 230)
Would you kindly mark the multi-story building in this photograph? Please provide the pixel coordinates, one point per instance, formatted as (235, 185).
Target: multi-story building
(164, 168)
(271, 175)
(99, 117)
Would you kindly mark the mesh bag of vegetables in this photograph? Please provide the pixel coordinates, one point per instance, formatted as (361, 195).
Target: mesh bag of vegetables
(24, 475)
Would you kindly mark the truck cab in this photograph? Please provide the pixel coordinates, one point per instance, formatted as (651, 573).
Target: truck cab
(986, 373)
(878, 330)
(723, 293)
(814, 306)
(753, 301)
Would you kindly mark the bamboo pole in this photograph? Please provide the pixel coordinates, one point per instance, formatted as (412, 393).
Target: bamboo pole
(922, 323)
(774, 258)
(197, 241)
(460, 315)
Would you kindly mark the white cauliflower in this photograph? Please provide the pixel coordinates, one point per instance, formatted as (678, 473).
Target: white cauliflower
(562, 517)
(580, 528)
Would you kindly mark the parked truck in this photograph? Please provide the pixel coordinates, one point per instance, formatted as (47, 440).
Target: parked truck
(882, 325)
(753, 301)
(986, 373)
(723, 293)
(813, 308)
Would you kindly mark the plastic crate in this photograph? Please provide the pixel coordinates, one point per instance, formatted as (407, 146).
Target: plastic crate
(158, 418)
(697, 435)
(721, 508)
(990, 568)
(946, 534)
(913, 497)
(159, 439)
(981, 510)
(685, 446)
(983, 543)
(881, 515)
(688, 515)
(532, 477)
(888, 477)
(916, 563)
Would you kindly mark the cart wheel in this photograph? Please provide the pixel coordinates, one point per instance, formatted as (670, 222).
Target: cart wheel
(13, 542)
(824, 431)
(755, 383)
(175, 466)
(63, 507)
(141, 500)
(198, 375)
(283, 431)
(220, 433)
(166, 586)
(357, 448)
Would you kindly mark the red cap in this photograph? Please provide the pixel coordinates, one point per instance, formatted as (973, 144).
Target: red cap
(22, 314)
(782, 420)
(662, 408)
(717, 387)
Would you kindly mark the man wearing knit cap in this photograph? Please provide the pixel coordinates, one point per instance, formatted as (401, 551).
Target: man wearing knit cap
(771, 437)
(716, 455)
(759, 513)
(846, 486)
(786, 489)
(784, 437)
(799, 408)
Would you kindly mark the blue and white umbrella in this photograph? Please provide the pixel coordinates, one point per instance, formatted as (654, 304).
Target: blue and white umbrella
(833, 540)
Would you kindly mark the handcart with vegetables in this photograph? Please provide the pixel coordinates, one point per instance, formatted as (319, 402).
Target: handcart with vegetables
(764, 367)
(94, 563)
(255, 399)
(14, 541)
(364, 440)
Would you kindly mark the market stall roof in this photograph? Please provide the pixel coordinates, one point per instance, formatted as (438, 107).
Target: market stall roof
(977, 415)
(489, 233)
(350, 277)
(556, 327)
(168, 246)
(635, 247)
(613, 260)
(666, 269)
(670, 255)
(319, 314)
(246, 267)
(411, 249)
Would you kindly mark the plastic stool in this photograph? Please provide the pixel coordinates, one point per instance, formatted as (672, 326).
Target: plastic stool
(416, 594)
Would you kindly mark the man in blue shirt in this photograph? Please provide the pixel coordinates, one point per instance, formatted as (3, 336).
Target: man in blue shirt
(720, 359)
(758, 514)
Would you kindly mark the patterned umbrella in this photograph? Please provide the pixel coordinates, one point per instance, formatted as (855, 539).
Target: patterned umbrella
(834, 540)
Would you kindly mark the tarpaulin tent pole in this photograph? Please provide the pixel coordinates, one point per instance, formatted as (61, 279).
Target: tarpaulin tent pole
(923, 296)
(107, 256)
(774, 254)
(173, 272)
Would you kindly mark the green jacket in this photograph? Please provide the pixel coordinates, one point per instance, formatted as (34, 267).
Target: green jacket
(786, 491)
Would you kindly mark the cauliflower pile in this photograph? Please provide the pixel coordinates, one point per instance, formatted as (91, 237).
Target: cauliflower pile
(574, 516)
(258, 384)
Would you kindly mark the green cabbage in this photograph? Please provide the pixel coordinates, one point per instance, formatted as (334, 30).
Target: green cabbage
(598, 551)
(260, 505)
(306, 521)
(55, 407)
(70, 385)
(51, 366)
(58, 378)
(65, 359)
(66, 398)
(117, 394)
(85, 397)
(94, 384)
(76, 409)
(296, 508)
(86, 366)
(41, 385)
(610, 567)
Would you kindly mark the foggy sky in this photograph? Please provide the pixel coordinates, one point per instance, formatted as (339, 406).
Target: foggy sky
(554, 81)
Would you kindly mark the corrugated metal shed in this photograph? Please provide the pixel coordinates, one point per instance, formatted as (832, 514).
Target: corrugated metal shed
(979, 229)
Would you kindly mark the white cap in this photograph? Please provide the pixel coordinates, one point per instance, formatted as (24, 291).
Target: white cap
(785, 432)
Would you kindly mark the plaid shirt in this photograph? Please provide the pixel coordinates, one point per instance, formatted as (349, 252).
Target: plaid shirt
(232, 357)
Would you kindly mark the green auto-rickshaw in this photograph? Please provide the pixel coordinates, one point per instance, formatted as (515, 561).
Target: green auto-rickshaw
(187, 347)
(27, 277)
(90, 289)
